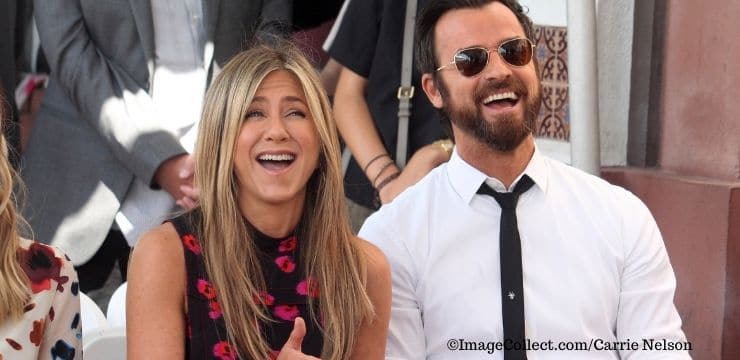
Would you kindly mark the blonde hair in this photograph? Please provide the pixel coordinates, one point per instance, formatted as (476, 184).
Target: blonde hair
(14, 292)
(332, 255)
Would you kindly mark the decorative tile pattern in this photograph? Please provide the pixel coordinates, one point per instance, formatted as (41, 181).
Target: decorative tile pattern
(553, 120)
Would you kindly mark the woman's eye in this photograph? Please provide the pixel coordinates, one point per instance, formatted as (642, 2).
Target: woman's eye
(297, 113)
(254, 114)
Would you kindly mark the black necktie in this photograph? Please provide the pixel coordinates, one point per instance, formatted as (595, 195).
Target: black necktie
(512, 293)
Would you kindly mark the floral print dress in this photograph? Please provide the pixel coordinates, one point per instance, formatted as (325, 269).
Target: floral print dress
(285, 298)
(50, 327)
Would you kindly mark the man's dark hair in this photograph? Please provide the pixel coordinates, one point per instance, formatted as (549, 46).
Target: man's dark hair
(434, 10)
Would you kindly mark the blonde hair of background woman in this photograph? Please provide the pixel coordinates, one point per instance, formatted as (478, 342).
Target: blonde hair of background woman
(14, 292)
(331, 254)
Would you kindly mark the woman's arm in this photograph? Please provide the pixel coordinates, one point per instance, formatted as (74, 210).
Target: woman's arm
(372, 336)
(155, 299)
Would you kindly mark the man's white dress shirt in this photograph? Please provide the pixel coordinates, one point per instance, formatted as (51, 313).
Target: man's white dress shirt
(178, 85)
(594, 265)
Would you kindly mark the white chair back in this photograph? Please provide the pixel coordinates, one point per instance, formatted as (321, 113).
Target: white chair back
(92, 317)
(105, 344)
(100, 339)
(117, 308)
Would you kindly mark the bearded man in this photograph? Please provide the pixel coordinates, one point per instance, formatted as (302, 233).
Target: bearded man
(503, 253)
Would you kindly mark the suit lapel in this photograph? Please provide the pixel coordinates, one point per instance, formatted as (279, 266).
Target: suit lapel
(142, 10)
(212, 12)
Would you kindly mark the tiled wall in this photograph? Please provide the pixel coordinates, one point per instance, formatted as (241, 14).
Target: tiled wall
(552, 56)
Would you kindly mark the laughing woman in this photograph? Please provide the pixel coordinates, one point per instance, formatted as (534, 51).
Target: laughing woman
(266, 266)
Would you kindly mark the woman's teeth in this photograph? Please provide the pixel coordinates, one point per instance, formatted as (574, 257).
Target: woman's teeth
(276, 157)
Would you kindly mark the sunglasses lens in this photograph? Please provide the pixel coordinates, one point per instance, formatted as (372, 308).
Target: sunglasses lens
(517, 52)
(471, 61)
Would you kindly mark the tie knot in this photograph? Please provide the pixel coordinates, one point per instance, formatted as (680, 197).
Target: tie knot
(508, 200)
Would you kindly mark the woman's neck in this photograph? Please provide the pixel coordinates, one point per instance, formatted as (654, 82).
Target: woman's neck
(273, 220)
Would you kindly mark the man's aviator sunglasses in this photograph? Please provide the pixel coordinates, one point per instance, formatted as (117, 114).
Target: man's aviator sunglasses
(471, 61)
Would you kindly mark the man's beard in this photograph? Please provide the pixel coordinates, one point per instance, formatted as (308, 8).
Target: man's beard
(506, 132)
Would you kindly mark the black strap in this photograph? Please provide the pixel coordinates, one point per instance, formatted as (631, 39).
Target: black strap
(512, 292)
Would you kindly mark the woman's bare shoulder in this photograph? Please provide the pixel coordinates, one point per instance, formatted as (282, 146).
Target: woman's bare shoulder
(158, 257)
(162, 242)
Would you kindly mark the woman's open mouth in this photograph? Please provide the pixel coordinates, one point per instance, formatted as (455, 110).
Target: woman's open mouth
(276, 162)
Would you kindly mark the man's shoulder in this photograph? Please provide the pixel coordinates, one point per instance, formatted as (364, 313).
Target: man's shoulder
(412, 205)
(569, 175)
(592, 187)
(403, 228)
(421, 193)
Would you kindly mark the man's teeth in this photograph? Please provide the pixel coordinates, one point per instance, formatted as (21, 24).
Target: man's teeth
(278, 157)
(503, 96)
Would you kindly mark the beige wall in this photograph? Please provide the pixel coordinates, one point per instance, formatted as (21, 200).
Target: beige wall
(701, 89)
(694, 193)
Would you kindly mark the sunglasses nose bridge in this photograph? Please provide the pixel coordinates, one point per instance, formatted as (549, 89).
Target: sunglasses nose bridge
(496, 66)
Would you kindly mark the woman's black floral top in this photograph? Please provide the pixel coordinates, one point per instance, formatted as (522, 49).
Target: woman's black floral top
(285, 298)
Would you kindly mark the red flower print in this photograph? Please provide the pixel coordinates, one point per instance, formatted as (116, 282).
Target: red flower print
(285, 263)
(287, 244)
(215, 312)
(274, 354)
(286, 312)
(37, 334)
(29, 307)
(223, 351)
(205, 289)
(41, 266)
(13, 344)
(308, 287)
(191, 243)
(264, 298)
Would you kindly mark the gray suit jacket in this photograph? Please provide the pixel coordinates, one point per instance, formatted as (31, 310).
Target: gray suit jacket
(96, 129)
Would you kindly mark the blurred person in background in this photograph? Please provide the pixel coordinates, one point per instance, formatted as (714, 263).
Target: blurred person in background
(367, 43)
(312, 21)
(108, 154)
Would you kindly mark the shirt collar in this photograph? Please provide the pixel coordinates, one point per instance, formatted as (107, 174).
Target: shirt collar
(465, 179)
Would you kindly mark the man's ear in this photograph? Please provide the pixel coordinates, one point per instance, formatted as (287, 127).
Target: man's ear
(430, 88)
